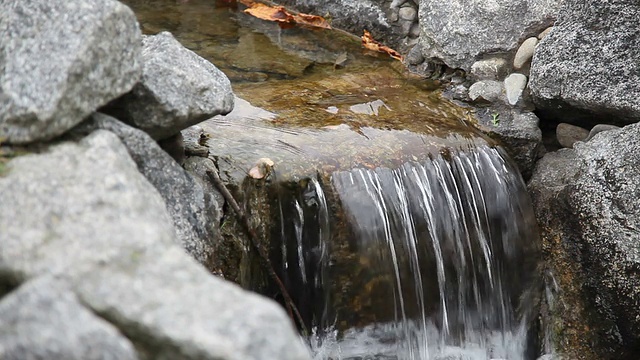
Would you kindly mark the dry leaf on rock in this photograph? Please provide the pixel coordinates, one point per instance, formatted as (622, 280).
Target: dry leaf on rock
(370, 43)
(280, 15)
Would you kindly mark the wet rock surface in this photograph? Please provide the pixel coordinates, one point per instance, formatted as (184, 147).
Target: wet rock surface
(587, 204)
(586, 70)
(178, 89)
(516, 128)
(60, 61)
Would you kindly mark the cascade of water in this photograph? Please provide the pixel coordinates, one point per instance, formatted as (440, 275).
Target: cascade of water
(426, 261)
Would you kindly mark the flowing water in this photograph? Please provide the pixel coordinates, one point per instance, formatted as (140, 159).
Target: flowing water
(400, 232)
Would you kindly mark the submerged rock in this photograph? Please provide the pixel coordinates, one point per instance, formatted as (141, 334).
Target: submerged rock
(44, 320)
(587, 69)
(459, 32)
(60, 61)
(586, 200)
(178, 89)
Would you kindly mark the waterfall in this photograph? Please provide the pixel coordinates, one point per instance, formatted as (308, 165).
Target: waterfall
(429, 260)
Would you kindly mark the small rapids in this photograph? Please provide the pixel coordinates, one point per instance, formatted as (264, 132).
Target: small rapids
(432, 260)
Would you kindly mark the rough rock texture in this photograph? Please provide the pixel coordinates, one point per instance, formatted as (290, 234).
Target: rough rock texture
(178, 89)
(587, 69)
(490, 69)
(517, 129)
(61, 60)
(459, 32)
(82, 211)
(488, 90)
(195, 212)
(43, 320)
(586, 199)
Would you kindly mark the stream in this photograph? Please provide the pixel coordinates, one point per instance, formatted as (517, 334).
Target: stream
(400, 231)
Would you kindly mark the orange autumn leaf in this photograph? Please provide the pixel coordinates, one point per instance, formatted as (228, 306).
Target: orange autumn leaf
(280, 15)
(266, 12)
(370, 43)
(311, 21)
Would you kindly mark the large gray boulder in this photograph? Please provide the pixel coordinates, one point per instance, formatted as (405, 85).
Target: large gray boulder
(83, 212)
(459, 32)
(195, 212)
(586, 199)
(61, 60)
(587, 69)
(178, 89)
(42, 320)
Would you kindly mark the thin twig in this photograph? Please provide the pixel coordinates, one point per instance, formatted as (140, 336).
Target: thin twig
(253, 237)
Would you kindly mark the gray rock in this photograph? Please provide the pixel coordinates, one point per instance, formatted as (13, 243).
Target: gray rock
(83, 211)
(60, 61)
(568, 134)
(44, 320)
(598, 129)
(195, 213)
(178, 89)
(490, 69)
(87, 197)
(525, 53)
(514, 85)
(459, 32)
(589, 201)
(487, 90)
(517, 129)
(587, 69)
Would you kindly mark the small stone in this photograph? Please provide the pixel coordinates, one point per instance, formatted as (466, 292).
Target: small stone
(514, 85)
(415, 30)
(488, 90)
(545, 32)
(600, 128)
(489, 69)
(525, 53)
(568, 134)
(408, 13)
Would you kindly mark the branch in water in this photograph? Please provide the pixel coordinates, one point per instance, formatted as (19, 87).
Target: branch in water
(212, 172)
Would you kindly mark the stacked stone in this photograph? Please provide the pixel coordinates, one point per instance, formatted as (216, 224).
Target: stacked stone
(102, 233)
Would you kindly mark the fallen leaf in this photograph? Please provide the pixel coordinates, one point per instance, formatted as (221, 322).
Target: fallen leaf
(370, 43)
(266, 12)
(284, 18)
(313, 21)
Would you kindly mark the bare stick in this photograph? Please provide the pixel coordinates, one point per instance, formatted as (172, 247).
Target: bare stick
(253, 237)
